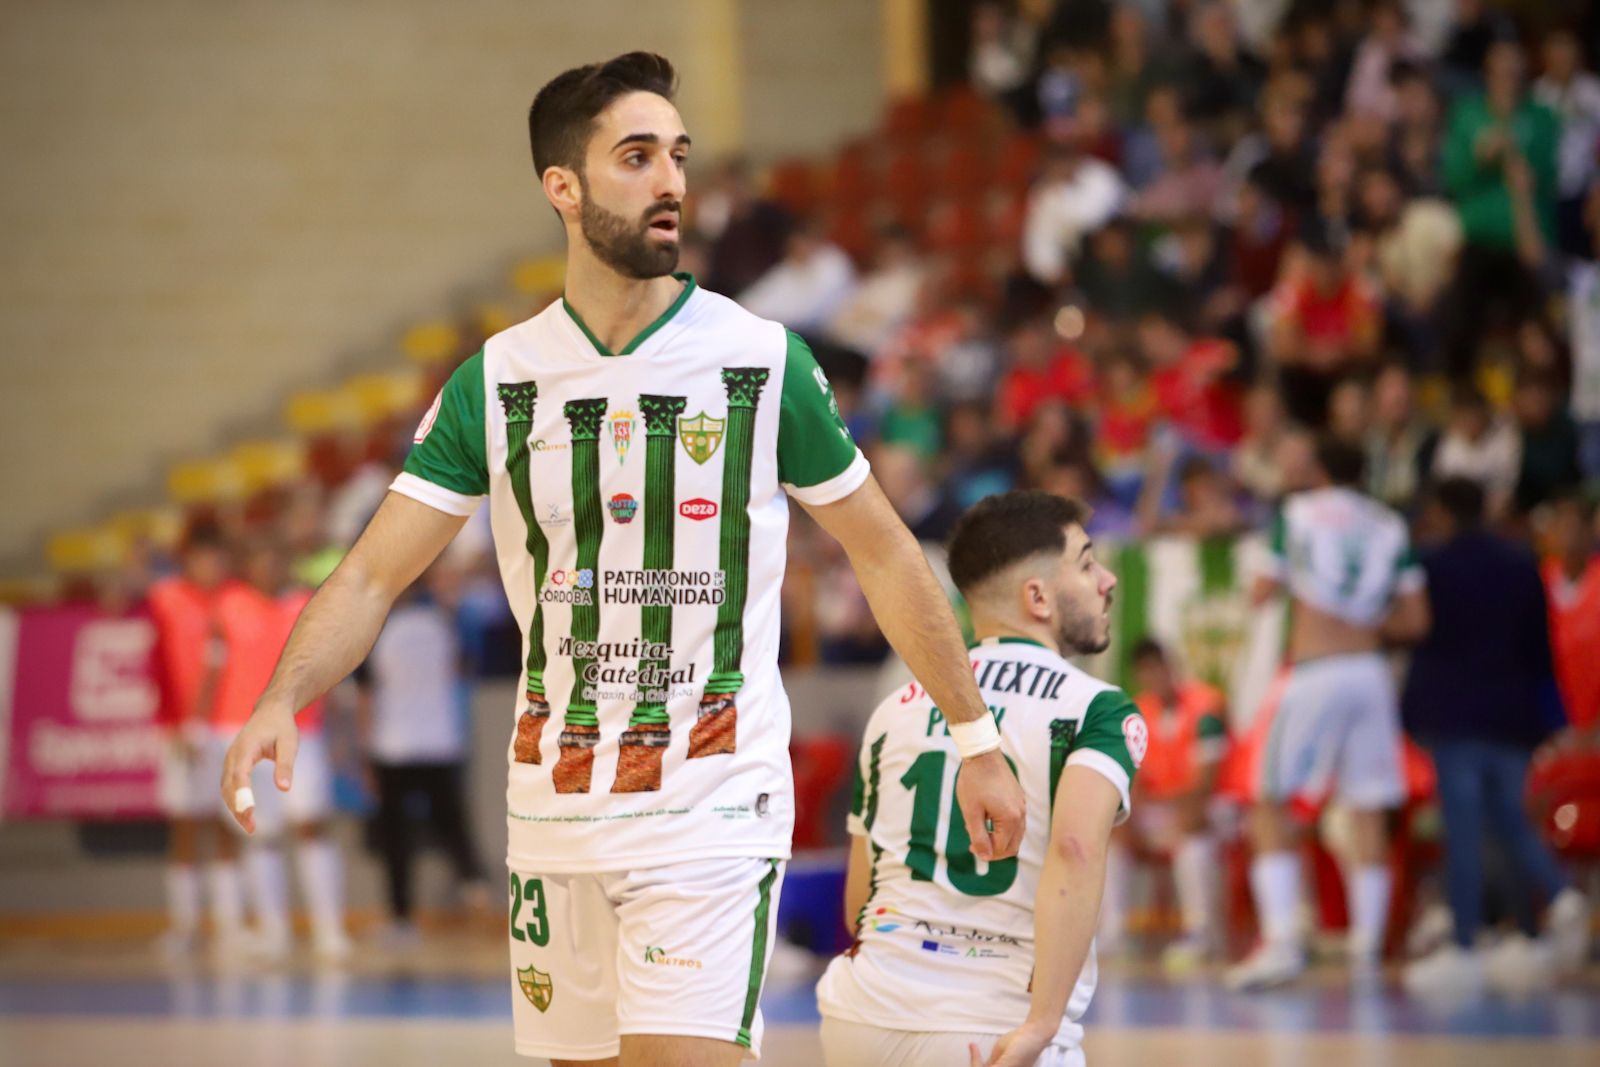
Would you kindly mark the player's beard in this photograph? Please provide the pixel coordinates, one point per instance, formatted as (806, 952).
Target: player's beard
(1079, 631)
(626, 247)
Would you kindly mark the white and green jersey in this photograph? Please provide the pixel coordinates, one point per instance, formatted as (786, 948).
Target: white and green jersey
(1344, 553)
(637, 501)
(945, 941)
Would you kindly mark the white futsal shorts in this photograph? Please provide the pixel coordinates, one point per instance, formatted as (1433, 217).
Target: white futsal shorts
(1336, 733)
(848, 1044)
(680, 949)
(187, 780)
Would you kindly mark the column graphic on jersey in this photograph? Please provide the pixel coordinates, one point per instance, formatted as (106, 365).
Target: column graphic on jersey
(581, 729)
(649, 729)
(1062, 734)
(716, 727)
(518, 400)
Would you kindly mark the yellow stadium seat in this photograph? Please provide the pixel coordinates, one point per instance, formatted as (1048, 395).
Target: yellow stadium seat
(161, 526)
(430, 342)
(206, 480)
(322, 411)
(537, 277)
(267, 464)
(85, 549)
(381, 396)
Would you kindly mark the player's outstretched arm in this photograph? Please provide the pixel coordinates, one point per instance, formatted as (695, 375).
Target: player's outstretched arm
(1066, 910)
(334, 633)
(911, 608)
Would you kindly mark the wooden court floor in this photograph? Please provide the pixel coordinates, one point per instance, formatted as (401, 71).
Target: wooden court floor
(70, 1004)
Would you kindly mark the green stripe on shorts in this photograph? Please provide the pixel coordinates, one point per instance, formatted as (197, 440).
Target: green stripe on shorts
(758, 954)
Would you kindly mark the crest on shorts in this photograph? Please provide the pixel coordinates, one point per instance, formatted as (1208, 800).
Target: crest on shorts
(536, 986)
(1137, 735)
(700, 435)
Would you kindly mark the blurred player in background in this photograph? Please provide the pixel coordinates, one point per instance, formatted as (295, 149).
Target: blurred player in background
(1345, 561)
(638, 441)
(951, 953)
(256, 616)
(414, 733)
(190, 654)
(1177, 781)
(1572, 587)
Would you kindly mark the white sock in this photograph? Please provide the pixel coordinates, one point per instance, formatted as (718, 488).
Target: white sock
(1275, 884)
(321, 871)
(269, 890)
(227, 899)
(183, 898)
(1368, 890)
(1114, 900)
(1194, 870)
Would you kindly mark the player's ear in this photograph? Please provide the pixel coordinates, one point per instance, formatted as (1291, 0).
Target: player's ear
(1036, 601)
(563, 190)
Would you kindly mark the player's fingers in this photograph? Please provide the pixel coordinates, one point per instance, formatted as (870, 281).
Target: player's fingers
(236, 781)
(283, 758)
(978, 827)
(1007, 834)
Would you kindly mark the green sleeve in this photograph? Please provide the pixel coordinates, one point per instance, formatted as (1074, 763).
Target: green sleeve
(1460, 162)
(1108, 731)
(450, 448)
(814, 446)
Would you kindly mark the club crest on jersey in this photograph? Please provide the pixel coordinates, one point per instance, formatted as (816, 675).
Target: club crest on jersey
(536, 986)
(700, 434)
(426, 425)
(623, 507)
(622, 427)
(1137, 735)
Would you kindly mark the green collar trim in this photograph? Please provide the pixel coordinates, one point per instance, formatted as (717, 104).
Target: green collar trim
(647, 332)
(1009, 641)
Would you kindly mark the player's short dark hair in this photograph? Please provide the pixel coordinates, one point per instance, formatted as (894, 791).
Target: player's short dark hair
(1147, 648)
(1344, 463)
(203, 534)
(1002, 529)
(1462, 499)
(561, 120)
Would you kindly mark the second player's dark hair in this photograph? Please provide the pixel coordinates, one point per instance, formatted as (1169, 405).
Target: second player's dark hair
(1147, 648)
(1002, 529)
(1344, 462)
(561, 119)
(1462, 499)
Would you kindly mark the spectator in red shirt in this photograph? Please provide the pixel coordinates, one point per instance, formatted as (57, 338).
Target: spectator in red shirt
(1190, 378)
(1572, 588)
(1042, 368)
(1326, 322)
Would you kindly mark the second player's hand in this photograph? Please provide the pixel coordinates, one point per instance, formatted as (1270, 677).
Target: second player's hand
(992, 805)
(270, 734)
(1019, 1048)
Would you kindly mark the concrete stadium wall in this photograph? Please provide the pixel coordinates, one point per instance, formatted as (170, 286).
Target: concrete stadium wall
(207, 205)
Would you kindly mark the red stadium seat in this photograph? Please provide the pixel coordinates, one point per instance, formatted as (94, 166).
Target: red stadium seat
(1019, 160)
(795, 186)
(962, 111)
(821, 768)
(910, 118)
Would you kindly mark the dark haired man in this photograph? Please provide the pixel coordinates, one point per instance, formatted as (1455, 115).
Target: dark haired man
(1345, 562)
(951, 953)
(636, 440)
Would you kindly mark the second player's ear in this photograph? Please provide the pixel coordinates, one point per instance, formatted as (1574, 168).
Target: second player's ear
(1036, 599)
(562, 189)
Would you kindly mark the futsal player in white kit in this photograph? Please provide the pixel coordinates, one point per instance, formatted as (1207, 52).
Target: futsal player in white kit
(1345, 562)
(957, 959)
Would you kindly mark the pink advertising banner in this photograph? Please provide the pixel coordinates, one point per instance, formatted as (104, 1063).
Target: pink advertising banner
(79, 698)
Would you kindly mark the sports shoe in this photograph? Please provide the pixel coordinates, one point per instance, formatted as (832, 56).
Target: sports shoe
(1187, 954)
(1518, 966)
(1567, 931)
(1449, 973)
(1268, 966)
(1431, 930)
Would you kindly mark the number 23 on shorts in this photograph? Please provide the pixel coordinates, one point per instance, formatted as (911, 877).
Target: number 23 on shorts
(529, 895)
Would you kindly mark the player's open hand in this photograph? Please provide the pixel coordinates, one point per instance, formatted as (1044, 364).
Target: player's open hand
(1020, 1048)
(270, 734)
(991, 805)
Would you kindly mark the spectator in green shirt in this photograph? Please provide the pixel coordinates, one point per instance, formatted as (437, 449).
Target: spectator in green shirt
(1500, 170)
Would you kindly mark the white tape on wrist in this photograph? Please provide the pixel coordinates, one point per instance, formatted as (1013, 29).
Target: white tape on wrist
(243, 799)
(976, 737)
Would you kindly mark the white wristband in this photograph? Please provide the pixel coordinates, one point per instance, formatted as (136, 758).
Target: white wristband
(976, 737)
